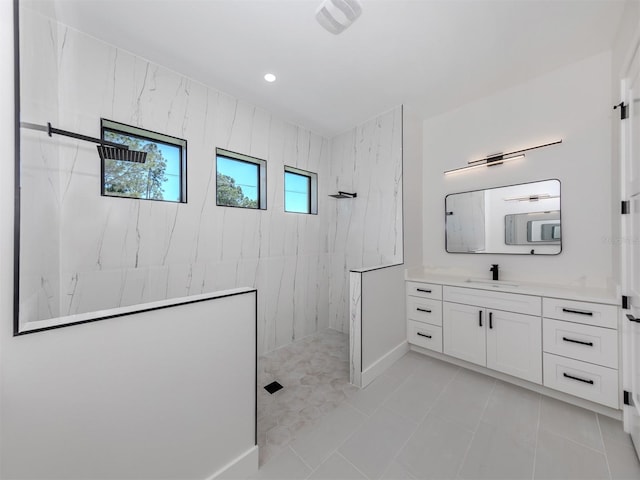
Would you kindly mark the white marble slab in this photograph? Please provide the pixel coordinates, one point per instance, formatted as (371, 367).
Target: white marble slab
(81, 252)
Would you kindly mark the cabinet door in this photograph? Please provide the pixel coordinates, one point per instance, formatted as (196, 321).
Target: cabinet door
(514, 344)
(463, 332)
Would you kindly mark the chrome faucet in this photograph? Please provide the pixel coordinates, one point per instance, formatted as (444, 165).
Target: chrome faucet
(494, 269)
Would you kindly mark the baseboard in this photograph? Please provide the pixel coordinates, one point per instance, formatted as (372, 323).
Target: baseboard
(549, 392)
(245, 466)
(384, 362)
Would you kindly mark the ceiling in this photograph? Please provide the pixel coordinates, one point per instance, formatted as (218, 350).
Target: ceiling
(431, 55)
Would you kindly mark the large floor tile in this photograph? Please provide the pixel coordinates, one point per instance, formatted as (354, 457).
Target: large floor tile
(397, 471)
(405, 366)
(515, 410)
(436, 449)
(613, 431)
(375, 444)
(496, 454)
(336, 467)
(315, 443)
(560, 458)
(286, 465)
(464, 398)
(368, 399)
(571, 422)
(417, 394)
(623, 462)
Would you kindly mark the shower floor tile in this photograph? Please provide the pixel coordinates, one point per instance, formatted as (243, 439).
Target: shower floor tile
(314, 373)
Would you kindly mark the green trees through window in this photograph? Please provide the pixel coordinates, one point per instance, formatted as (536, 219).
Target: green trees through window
(161, 177)
(240, 180)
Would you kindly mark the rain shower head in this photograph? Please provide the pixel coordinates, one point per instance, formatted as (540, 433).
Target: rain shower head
(344, 195)
(107, 150)
(121, 153)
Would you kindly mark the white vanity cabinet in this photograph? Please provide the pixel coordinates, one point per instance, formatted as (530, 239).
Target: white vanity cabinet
(580, 346)
(507, 341)
(424, 315)
(530, 332)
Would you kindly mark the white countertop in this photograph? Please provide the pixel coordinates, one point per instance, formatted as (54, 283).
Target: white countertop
(569, 292)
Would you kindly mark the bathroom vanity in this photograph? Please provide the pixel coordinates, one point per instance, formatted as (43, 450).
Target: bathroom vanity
(556, 337)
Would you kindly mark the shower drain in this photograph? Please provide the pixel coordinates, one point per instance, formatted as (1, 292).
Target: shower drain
(273, 387)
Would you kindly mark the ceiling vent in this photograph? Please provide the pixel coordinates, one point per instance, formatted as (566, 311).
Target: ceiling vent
(336, 15)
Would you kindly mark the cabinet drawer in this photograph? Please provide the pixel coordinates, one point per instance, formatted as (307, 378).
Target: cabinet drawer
(423, 335)
(581, 342)
(424, 290)
(424, 310)
(596, 314)
(510, 302)
(591, 382)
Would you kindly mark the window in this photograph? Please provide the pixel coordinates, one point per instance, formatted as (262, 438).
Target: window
(241, 181)
(161, 177)
(300, 191)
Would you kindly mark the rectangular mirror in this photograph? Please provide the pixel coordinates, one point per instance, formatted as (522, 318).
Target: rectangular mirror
(520, 219)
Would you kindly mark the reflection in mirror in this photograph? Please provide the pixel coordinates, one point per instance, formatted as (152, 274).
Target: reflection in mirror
(540, 228)
(516, 219)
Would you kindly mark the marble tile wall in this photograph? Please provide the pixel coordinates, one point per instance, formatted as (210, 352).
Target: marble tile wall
(365, 231)
(82, 252)
(40, 176)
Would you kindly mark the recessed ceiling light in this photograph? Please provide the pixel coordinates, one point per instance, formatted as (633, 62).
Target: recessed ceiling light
(270, 77)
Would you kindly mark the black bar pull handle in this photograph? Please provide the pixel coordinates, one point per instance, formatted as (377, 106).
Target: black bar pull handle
(423, 310)
(424, 335)
(490, 319)
(590, 382)
(423, 290)
(480, 318)
(632, 318)
(579, 312)
(589, 344)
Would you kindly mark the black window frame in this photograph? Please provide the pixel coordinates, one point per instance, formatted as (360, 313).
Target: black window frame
(312, 199)
(261, 170)
(146, 135)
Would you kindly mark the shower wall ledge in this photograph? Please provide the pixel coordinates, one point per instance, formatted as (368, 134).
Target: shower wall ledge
(27, 327)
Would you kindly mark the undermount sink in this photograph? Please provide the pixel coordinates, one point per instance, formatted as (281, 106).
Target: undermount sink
(491, 283)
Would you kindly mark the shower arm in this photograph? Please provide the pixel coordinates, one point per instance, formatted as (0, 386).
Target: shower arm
(51, 130)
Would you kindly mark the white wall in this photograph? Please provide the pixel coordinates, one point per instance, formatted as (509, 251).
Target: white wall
(572, 104)
(148, 395)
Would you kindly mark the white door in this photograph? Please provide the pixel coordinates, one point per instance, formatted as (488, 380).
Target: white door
(630, 143)
(463, 332)
(514, 344)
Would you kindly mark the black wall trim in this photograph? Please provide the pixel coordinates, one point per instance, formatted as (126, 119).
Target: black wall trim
(16, 184)
(135, 312)
(367, 270)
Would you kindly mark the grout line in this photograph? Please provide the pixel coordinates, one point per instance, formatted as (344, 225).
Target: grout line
(419, 423)
(535, 448)
(475, 430)
(311, 470)
(351, 463)
(604, 446)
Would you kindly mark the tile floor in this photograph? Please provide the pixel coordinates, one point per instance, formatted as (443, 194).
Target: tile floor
(423, 419)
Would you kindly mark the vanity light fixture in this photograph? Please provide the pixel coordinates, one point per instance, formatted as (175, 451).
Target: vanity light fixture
(531, 198)
(497, 159)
